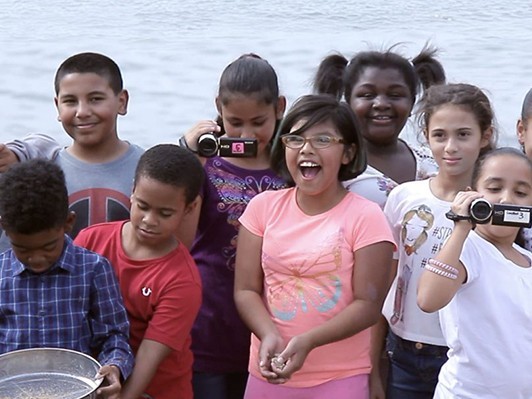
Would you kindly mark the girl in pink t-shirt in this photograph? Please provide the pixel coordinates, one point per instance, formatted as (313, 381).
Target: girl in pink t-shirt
(312, 261)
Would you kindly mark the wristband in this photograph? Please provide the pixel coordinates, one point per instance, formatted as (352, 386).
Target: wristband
(440, 272)
(442, 265)
(183, 144)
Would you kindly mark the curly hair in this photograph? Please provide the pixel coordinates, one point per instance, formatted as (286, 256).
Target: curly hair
(33, 197)
(171, 164)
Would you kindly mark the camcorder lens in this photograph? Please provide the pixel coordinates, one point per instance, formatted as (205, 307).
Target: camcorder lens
(207, 145)
(480, 211)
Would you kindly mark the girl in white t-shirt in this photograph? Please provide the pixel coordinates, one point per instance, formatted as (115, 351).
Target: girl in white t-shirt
(312, 262)
(482, 282)
(457, 122)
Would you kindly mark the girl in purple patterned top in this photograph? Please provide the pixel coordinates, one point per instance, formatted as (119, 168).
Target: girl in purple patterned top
(249, 106)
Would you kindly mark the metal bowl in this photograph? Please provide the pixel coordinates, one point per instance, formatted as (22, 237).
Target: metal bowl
(48, 373)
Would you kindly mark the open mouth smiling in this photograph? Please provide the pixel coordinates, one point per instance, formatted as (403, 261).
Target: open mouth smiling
(309, 169)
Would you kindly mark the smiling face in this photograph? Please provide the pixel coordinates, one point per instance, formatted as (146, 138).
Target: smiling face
(382, 102)
(88, 108)
(315, 171)
(455, 139)
(156, 212)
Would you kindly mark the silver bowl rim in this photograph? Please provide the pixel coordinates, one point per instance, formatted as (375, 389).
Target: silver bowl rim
(59, 350)
(50, 349)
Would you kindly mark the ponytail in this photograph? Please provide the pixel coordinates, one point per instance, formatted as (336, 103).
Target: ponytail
(337, 76)
(429, 70)
(330, 76)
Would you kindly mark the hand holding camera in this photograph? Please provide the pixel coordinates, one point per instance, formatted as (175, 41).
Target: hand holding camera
(203, 139)
(480, 211)
(190, 138)
(210, 145)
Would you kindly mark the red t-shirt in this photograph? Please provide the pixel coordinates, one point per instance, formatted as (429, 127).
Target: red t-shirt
(162, 297)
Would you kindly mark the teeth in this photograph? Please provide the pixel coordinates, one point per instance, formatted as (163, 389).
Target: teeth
(308, 164)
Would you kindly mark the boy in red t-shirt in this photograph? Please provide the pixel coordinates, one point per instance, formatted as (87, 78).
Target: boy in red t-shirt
(158, 277)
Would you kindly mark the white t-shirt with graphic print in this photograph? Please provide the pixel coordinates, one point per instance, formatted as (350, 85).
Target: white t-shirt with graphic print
(419, 226)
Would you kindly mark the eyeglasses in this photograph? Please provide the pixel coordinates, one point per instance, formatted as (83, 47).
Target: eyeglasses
(317, 142)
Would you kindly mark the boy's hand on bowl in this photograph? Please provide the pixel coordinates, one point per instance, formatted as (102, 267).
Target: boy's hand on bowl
(112, 387)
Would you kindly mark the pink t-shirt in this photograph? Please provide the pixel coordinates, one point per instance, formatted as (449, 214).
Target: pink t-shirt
(308, 265)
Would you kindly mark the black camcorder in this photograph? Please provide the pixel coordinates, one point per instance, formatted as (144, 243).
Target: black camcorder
(482, 211)
(210, 145)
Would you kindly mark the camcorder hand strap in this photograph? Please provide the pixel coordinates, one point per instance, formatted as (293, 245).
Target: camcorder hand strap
(454, 217)
(183, 144)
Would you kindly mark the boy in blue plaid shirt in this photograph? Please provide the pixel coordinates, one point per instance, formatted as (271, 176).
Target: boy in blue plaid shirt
(53, 293)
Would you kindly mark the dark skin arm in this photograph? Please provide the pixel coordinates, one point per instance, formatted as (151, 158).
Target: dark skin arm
(147, 361)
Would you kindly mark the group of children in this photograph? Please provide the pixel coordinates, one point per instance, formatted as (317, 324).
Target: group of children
(282, 275)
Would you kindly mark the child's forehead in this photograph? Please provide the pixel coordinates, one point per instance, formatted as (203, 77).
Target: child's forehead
(379, 74)
(151, 185)
(303, 125)
(80, 79)
(36, 240)
(243, 104)
(507, 167)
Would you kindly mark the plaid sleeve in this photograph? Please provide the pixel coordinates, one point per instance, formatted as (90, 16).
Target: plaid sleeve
(109, 322)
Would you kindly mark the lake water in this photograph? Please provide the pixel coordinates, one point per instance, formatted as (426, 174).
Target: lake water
(172, 52)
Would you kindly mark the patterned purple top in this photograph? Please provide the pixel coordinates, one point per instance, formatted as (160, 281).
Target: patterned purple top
(220, 340)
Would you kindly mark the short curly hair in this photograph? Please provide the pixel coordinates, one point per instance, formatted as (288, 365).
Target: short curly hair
(33, 197)
(173, 165)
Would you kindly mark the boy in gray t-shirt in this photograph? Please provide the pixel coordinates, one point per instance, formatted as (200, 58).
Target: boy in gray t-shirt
(98, 165)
